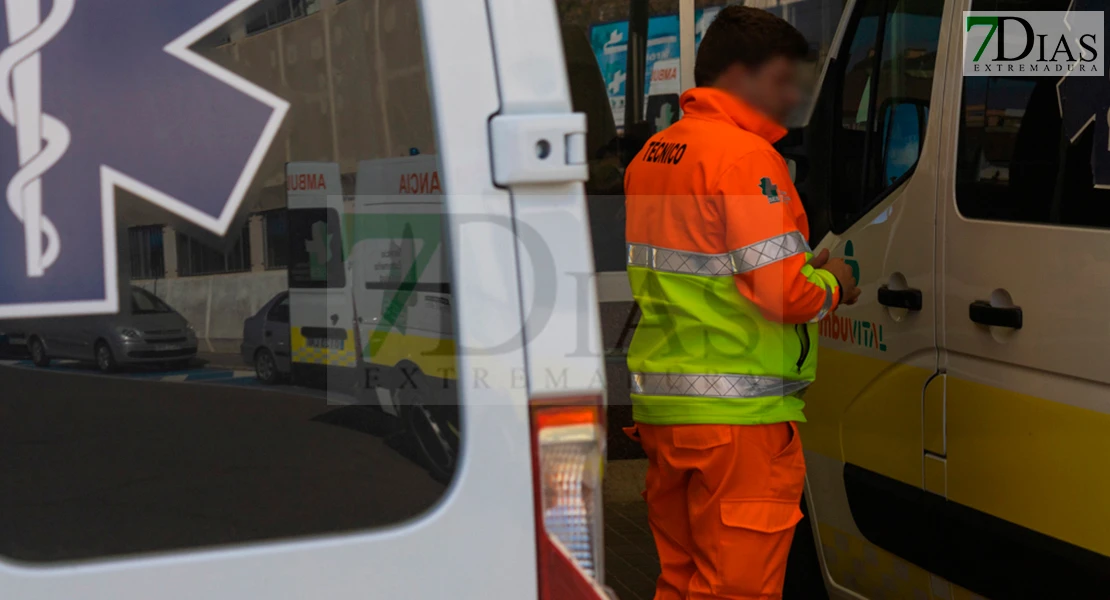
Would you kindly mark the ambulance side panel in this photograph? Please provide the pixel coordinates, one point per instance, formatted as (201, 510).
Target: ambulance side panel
(1025, 244)
(402, 289)
(876, 358)
(321, 329)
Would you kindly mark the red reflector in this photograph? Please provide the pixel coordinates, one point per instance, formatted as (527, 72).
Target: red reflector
(553, 416)
(568, 441)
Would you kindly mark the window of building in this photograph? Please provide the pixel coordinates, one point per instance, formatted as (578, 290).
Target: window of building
(275, 239)
(1017, 160)
(886, 82)
(196, 258)
(148, 257)
(272, 13)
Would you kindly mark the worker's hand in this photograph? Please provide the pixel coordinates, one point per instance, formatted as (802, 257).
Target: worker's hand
(819, 260)
(849, 292)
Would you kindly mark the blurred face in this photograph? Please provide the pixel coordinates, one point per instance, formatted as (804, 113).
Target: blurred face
(771, 87)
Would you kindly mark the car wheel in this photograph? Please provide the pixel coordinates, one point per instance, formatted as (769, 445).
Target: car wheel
(38, 352)
(436, 438)
(265, 366)
(105, 360)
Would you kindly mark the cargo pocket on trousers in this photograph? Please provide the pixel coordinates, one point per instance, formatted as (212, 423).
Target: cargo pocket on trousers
(788, 469)
(754, 544)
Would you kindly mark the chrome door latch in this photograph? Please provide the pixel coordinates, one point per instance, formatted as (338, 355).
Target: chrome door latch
(538, 149)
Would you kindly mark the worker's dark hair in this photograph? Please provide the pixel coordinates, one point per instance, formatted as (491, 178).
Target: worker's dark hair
(745, 35)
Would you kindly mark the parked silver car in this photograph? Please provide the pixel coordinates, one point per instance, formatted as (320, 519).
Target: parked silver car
(266, 340)
(146, 330)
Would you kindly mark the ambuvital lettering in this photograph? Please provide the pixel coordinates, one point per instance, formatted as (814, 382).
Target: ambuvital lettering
(865, 334)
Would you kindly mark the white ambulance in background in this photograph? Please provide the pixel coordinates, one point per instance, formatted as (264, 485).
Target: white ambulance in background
(370, 295)
(661, 109)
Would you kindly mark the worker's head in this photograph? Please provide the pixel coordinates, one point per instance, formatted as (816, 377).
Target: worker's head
(753, 55)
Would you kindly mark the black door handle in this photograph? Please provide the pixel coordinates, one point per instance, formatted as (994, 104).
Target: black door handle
(908, 299)
(983, 313)
(269, 334)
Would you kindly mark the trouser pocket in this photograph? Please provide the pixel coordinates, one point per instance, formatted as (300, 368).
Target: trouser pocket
(755, 539)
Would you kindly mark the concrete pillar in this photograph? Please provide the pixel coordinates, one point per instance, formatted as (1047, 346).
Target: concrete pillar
(169, 251)
(238, 27)
(257, 228)
(123, 266)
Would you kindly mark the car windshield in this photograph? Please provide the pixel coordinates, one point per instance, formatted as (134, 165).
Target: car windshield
(143, 302)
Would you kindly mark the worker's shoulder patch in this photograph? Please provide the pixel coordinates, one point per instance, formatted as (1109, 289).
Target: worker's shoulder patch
(771, 191)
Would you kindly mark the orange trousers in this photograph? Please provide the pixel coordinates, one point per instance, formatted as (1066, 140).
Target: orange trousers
(723, 501)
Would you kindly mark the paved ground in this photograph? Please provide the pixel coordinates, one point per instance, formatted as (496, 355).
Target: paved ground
(95, 466)
(631, 564)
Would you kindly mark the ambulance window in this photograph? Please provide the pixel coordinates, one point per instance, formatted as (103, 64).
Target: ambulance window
(883, 117)
(177, 445)
(1016, 159)
(597, 36)
(315, 249)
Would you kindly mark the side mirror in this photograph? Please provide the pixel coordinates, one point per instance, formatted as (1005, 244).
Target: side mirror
(902, 125)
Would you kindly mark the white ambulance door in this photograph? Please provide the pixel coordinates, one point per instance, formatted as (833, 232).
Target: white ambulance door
(133, 488)
(1025, 238)
(321, 330)
(868, 177)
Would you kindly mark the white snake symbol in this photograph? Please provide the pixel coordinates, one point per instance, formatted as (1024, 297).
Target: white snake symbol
(41, 138)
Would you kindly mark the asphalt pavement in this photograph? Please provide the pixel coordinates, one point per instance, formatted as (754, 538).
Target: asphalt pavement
(94, 466)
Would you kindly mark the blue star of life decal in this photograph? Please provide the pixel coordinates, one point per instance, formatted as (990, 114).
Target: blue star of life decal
(1085, 102)
(102, 95)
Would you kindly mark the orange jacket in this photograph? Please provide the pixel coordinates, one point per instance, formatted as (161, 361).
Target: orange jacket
(699, 186)
(717, 260)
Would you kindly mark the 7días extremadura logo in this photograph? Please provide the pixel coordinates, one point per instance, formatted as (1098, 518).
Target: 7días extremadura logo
(1034, 43)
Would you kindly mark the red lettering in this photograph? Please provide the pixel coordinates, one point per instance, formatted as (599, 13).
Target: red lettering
(846, 329)
(305, 182)
(420, 183)
(664, 74)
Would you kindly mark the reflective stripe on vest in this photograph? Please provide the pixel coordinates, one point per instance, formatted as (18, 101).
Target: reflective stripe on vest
(826, 307)
(735, 262)
(716, 386)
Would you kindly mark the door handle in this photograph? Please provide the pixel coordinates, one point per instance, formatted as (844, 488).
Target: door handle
(908, 299)
(268, 334)
(983, 313)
